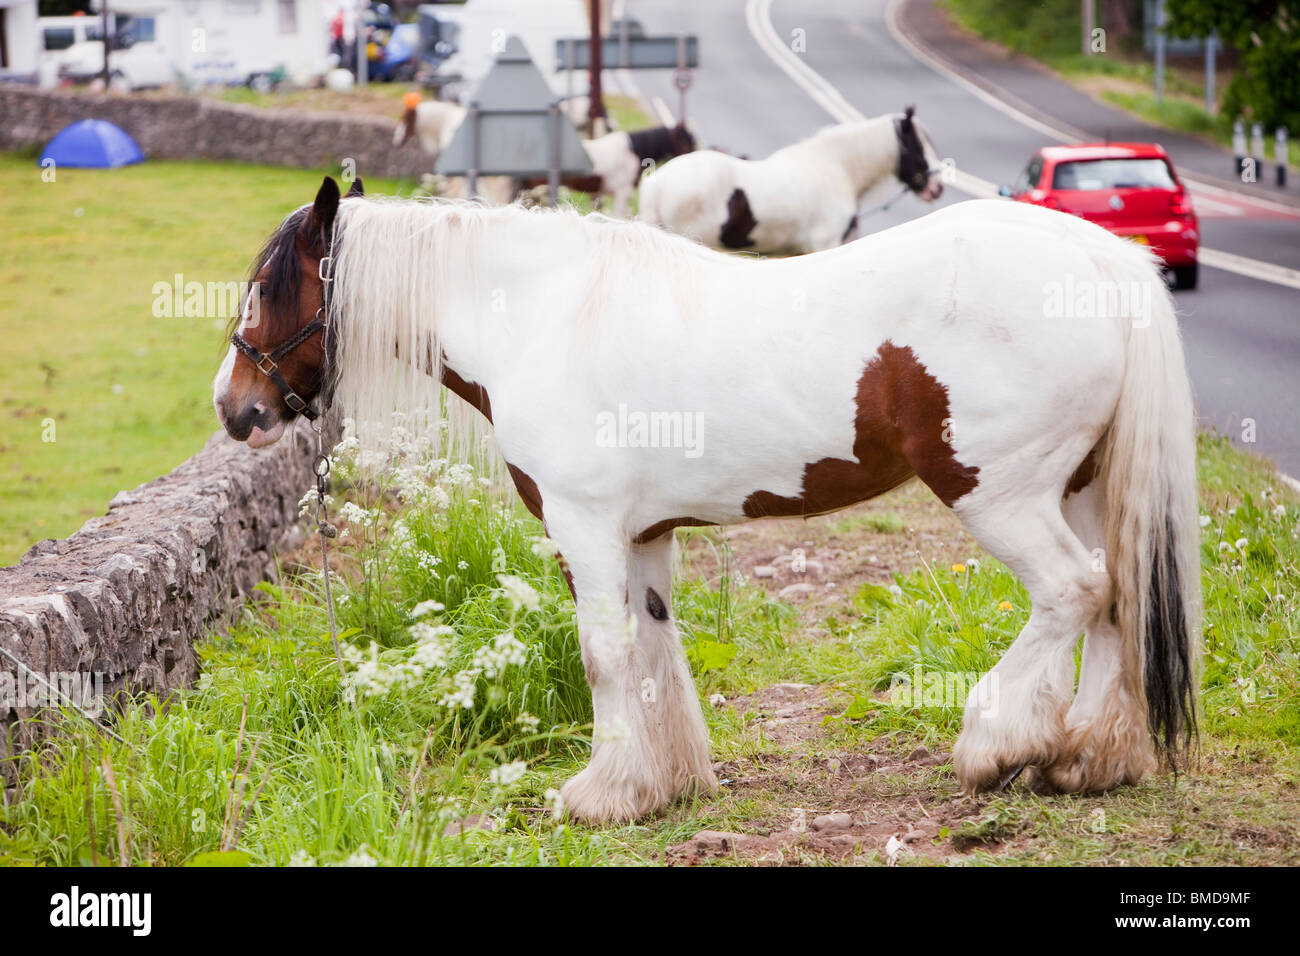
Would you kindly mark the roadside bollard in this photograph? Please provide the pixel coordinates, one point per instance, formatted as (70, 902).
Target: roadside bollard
(1257, 149)
(1280, 155)
(1239, 148)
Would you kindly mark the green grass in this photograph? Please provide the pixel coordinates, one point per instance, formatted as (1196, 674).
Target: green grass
(124, 395)
(274, 758)
(1050, 33)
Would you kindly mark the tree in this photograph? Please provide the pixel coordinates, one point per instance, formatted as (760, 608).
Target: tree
(1266, 35)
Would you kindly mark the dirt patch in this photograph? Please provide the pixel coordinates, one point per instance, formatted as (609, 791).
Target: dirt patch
(876, 806)
(817, 564)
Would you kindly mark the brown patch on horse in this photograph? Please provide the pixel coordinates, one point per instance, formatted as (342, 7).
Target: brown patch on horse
(1083, 475)
(408, 125)
(470, 392)
(667, 525)
(902, 415)
(740, 222)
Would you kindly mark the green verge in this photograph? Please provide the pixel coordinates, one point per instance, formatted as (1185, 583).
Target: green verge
(479, 708)
(1049, 33)
(98, 393)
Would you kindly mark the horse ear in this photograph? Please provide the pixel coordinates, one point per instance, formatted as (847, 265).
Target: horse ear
(356, 189)
(321, 218)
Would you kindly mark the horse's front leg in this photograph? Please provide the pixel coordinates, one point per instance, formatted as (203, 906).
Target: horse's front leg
(649, 743)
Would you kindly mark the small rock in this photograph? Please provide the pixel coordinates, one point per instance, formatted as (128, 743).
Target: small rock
(795, 592)
(764, 571)
(722, 842)
(911, 836)
(477, 821)
(716, 700)
(920, 753)
(829, 822)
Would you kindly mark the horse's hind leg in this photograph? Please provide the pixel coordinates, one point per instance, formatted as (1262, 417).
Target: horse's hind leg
(648, 742)
(1016, 714)
(1107, 741)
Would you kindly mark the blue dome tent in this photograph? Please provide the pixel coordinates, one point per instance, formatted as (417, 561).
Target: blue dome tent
(92, 143)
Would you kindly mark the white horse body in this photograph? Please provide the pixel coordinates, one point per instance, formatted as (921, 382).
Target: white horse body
(803, 198)
(769, 356)
(913, 350)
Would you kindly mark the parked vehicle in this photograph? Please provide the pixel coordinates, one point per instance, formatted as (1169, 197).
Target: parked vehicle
(1129, 188)
(135, 59)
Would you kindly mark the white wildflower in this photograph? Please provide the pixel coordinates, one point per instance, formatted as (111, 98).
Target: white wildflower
(554, 802)
(462, 565)
(361, 858)
(544, 547)
(1241, 544)
(301, 858)
(462, 691)
(508, 773)
(426, 607)
(521, 593)
(528, 722)
(1204, 520)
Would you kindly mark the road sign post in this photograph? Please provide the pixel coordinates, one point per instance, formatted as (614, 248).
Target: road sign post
(514, 127)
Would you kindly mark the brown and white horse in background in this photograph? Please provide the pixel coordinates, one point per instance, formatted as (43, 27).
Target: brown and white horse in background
(1063, 440)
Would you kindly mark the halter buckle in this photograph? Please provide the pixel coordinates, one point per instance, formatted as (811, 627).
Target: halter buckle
(261, 365)
(321, 271)
(294, 401)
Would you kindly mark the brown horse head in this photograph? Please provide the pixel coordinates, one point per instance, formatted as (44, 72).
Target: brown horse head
(275, 366)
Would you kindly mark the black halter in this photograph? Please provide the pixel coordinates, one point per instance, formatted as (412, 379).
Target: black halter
(268, 362)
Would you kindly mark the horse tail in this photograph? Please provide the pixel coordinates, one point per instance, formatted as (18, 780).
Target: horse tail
(1148, 467)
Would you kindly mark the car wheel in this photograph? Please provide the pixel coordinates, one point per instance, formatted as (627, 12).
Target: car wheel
(1185, 276)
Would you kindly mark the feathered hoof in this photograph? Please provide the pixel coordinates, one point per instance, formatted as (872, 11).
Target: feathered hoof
(989, 757)
(595, 798)
(1097, 759)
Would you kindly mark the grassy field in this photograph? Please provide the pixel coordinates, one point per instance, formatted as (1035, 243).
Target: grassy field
(98, 394)
(1125, 79)
(459, 719)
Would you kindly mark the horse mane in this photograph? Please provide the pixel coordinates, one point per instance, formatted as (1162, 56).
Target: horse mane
(280, 292)
(403, 267)
(864, 155)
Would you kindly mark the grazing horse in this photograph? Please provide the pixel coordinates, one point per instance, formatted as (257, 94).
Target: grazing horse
(618, 160)
(803, 198)
(1025, 364)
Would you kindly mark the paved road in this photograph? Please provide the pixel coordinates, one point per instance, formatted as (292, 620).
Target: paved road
(1243, 334)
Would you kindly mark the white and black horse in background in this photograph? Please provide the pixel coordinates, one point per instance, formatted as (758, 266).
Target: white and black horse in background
(803, 198)
(620, 159)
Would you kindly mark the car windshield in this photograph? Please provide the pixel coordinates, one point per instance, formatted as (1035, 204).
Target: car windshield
(1094, 174)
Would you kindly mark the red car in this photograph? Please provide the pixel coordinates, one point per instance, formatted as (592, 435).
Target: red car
(1129, 188)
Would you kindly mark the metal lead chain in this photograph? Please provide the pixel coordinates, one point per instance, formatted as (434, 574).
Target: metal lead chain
(321, 469)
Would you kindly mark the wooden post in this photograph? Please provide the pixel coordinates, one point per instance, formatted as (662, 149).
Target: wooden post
(595, 102)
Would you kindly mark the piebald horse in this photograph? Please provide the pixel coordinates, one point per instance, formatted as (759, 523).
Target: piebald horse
(803, 198)
(619, 159)
(981, 348)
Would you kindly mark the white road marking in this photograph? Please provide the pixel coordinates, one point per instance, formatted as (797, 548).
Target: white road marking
(1254, 268)
(758, 17)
